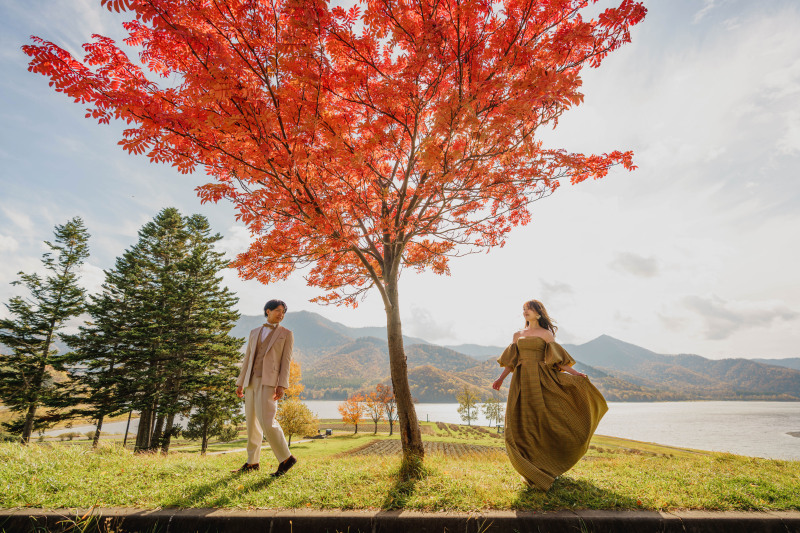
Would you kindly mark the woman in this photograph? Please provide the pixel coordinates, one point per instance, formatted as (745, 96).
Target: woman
(552, 409)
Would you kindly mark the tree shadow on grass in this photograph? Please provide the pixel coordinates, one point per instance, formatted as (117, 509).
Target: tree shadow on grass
(216, 493)
(410, 472)
(399, 494)
(568, 493)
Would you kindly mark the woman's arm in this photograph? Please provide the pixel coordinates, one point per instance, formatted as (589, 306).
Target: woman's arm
(570, 370)
(499, 382)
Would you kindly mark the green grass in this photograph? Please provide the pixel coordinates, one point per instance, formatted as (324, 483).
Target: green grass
(615, 474)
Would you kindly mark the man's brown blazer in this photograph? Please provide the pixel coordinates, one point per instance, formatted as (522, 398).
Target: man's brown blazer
(275, 371)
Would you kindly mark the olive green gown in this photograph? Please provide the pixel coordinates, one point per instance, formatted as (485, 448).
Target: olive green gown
(551, 415)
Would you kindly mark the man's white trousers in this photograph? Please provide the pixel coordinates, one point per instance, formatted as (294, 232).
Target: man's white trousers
(259, 411)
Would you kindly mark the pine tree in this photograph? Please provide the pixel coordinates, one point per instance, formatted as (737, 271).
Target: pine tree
(216, 407)
(171, 329)
(95, 366)
(147, 278)
(26, 376)
(204, 355)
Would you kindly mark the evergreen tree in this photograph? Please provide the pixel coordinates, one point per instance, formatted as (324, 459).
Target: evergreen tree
(171, 328)
(95, 364)
(26, 376)
(204, 355)
(215, 408)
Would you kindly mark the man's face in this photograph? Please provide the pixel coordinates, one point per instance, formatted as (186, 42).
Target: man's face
(274, 316)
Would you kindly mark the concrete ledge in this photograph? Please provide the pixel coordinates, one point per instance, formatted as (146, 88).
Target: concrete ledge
(120, 520)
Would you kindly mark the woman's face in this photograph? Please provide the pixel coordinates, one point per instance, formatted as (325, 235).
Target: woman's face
(529, 314)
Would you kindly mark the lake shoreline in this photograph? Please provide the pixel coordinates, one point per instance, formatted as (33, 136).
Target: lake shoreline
(751, 428)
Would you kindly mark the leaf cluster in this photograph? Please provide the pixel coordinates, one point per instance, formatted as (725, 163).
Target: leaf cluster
(357, 142)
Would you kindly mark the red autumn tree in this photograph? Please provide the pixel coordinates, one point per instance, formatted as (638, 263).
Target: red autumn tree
(358, 142)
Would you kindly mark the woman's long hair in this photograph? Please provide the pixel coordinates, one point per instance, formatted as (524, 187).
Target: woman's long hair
(544, 319)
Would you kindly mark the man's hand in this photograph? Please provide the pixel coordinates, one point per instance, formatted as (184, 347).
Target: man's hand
(278, 393)
(240, 391)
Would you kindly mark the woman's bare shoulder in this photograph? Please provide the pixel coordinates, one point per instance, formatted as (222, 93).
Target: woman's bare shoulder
(517, 335)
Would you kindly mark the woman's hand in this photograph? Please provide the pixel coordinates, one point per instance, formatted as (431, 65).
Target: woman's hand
(497, 384)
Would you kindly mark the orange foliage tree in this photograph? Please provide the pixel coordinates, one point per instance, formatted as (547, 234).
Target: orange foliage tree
(296, 388)
(386, 397)
(358, 141)
(374, 408)
(352, 409)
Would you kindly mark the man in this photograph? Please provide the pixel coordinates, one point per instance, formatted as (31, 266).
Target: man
(263, 379)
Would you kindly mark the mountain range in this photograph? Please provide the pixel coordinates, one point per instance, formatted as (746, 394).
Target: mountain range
(338, 360)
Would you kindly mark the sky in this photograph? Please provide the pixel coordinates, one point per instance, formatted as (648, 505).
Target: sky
(697, 251)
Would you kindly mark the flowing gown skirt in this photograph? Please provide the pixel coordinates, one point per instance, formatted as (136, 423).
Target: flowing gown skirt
(551, 415)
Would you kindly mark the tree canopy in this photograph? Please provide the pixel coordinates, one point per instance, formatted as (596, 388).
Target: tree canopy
(358, 142)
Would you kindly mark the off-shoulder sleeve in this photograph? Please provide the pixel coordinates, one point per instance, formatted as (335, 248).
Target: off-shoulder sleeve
(555, 355)
(510, 356)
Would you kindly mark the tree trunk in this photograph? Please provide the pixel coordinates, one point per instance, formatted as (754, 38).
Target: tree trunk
(410, 436)
(27, 429)
(158, 432)
(204, 440)
(167, 433)
(391, 428)
(127, 427)
(143, 432)
(97, 430)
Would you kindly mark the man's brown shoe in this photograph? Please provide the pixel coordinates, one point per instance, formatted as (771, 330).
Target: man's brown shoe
(247, 467)
(285, 466)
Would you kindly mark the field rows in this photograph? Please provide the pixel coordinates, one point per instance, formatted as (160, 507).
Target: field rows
(448, 449)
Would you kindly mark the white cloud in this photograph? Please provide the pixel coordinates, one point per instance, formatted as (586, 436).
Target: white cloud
(708, 5)
(644, 267)
(721, 319)
(236, 240)
(91, 277)
(555, 291)
(789, 143)
(8, 244)
(19, 219)
(425, 325)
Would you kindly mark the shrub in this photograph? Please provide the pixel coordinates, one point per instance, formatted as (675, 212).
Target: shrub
(69, 435)
(228, 433)
(89, 435)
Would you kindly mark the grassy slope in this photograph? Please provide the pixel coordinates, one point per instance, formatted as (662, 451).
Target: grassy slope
(615, 474)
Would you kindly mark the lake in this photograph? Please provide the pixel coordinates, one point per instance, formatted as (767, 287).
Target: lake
(758, 429)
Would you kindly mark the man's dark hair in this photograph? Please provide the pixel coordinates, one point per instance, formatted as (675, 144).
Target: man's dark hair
(273, 304)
